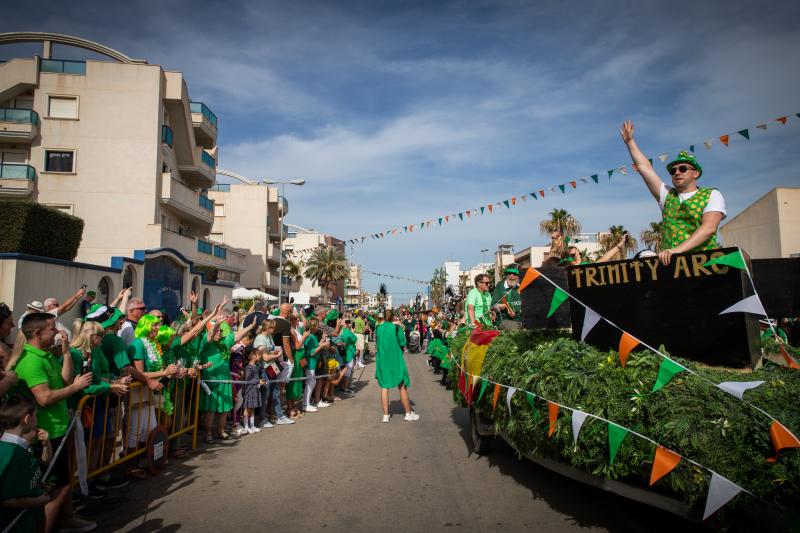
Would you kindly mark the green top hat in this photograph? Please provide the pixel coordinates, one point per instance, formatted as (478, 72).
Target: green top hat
(687, 158)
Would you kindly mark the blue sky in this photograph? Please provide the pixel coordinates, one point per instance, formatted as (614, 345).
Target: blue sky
(399, 112)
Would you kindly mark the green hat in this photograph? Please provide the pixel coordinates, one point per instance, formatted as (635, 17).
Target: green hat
(513, 268)
(685, 157)
(105, 316)
(333, 314)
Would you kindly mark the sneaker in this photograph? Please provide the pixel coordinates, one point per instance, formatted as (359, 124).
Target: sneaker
(254, 430)
(410, 417)
(96, 493)
(323, 403)
(360, 365)
(284, 421)
(267, 424)
(111, 482)
(76, 525)
(310, 409)
(348, 391)
(385, 419)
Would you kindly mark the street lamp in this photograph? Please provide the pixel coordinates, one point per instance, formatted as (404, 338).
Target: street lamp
(483, 251)
(299, 183)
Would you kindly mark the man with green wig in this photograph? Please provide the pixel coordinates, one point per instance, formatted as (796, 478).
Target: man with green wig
(506, 300)
(691, 214)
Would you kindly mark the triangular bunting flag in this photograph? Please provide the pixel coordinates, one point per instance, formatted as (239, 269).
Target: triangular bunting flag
(691, 148)
(781, 437)
(662, 157)
(509, 394)
(623, 170)
(738, 388)
(524, 198)
(616, 434)
(513, 200)
(782, 120)
(789, 359)
(559, 297)
(446, 219)
(720, 492)
(610, 172)
(562, 188)
(626, 344)
(734, 259)
(541, 193)
(651, 160)
(552, 189)
(469, 212)
(595, 178)
(490, 208)
(552, 416)
(584, 180)
(724, 139)
(461, 216)
(707, 144)
(484, 383)
(530, 276)
(505, 202)
(482, 208)
(590, 320)
(751, 304)
(744, 133)
(495, 395)
(534, 196)
(664, 462)
(574, 184)
(531, 401)
(761, 126)
(666, 371)
(578, 418)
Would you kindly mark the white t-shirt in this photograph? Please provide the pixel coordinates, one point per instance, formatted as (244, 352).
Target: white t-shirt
(126, 333)
(716, 202)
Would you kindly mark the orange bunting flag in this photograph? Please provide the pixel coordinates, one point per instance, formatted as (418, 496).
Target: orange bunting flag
(789, 359)
(541, 193)
(530, 276)
(490, 206)
(781, 438)
(495, 395)
(664, 462)
(724, 139)
(626, 344)
(574, 184)
(469, 212)
(552, 413)
(447, 219)
(782, 120)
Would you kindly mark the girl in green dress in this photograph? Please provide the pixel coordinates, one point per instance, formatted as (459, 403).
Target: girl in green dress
(390, 367)
(294, 389)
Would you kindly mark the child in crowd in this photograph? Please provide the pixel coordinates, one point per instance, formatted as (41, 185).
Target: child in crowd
(20, 472)
(251, 393)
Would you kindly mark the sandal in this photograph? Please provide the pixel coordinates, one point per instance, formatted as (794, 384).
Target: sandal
(224, 435)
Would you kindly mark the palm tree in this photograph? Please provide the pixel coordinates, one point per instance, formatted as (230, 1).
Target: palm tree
(326, 265)
(294, 270)
(614, 236)
(562, 222)
(652, 237)
(438, 283)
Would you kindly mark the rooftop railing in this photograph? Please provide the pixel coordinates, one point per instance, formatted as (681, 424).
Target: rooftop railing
(200, 107)
(62, 66)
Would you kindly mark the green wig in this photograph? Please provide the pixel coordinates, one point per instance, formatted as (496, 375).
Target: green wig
(145, 326)
(165, 333)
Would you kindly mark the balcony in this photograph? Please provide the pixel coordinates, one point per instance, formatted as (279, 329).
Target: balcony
(203, 170)
(273, 254)
(270, 281)
(186, 203)
(221, 187)
(204, 252)
(166, 135)
(205, 124)
(18, 124)
(275, 234)
(63, 66)
(17, 181)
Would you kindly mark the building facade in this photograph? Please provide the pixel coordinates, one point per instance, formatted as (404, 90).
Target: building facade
(353, 288)
(120, 144)
(769, 227)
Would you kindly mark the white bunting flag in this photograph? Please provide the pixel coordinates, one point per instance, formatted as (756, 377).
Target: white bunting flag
(761, 126)
(509, 394)
(738, 388)
(524, 197)
(578, 418)
(590, 320)
(707, 144)
(663, 157)
(584, 180)
(720, 492)
(623, 170)
(751, 304)
(552, 189)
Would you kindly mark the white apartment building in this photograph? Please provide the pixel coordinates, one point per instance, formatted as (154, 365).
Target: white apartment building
(120, 144)
(298, 245)
(353, 287)
(249, 216)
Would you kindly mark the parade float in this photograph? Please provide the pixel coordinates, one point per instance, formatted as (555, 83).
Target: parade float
(647, 381)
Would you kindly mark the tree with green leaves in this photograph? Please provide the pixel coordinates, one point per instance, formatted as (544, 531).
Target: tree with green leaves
(613, 238)
(563, 223)
(294, 269)
(438, 283)
(652, 237)
(326, 265)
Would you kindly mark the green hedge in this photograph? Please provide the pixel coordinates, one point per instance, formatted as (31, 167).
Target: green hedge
(30, 228)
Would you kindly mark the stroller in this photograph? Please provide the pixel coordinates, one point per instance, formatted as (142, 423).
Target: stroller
(413, 342)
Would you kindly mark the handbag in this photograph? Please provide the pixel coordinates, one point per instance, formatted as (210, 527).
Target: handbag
(273, 369)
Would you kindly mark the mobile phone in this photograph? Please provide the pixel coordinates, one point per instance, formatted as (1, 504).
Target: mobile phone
(83, 286)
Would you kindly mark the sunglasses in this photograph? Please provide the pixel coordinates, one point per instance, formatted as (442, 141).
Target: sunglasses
(680, 169)
(483, 282)
(138, 309)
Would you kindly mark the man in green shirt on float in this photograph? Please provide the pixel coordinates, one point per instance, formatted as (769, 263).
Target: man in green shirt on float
(50, 384)
(506, 300)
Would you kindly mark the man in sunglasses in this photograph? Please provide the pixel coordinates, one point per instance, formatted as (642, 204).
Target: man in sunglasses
(690, 214)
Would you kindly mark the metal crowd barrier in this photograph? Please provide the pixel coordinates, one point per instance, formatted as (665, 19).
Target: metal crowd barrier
(117, 429)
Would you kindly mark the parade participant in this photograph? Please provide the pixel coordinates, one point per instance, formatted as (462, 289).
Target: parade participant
(294, 389)
(349, 339)
(358, 328)
(311, 352)
(691, 214)
(506, 300)
(478, 299)
(390, 367)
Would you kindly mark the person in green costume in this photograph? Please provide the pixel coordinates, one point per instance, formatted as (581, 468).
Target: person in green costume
(349, 339)
(477, 303)
(691, 214)
(294, 389)
(216, 349)
(506, 300)
(390, 367)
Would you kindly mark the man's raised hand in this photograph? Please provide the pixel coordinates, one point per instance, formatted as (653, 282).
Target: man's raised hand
(626, 131)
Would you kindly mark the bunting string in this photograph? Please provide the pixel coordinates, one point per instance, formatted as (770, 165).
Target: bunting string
(572, 184)
(392, 276)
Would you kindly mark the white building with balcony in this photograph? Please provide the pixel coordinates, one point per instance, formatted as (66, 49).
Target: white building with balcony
(120, 144)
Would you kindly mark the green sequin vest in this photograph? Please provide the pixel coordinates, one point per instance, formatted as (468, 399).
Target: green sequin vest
(681, 219)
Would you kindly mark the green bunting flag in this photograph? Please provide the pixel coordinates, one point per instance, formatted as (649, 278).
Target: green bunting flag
(610, 172)
(461, 216)
(484, 383)
(482, 208)
(616, 434)
(562, 188)
(559, 297)
(744, 133)
(505, 202)
(651, 161)
(691, 148)
(733, 259)
(531, 401)
(440, 221)
(666, 371)
(595, 178)
(534, 196)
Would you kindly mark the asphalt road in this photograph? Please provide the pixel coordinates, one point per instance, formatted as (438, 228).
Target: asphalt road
(341, 469)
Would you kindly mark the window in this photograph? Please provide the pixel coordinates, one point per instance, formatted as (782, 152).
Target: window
(219, 210)
(62, 106)
(59, 160)
(218, 237)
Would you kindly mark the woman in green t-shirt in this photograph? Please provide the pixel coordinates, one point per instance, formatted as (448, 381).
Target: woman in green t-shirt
(390, 367)
(311, 349)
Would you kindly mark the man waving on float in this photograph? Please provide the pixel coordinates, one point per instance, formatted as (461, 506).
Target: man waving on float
(690, 214)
